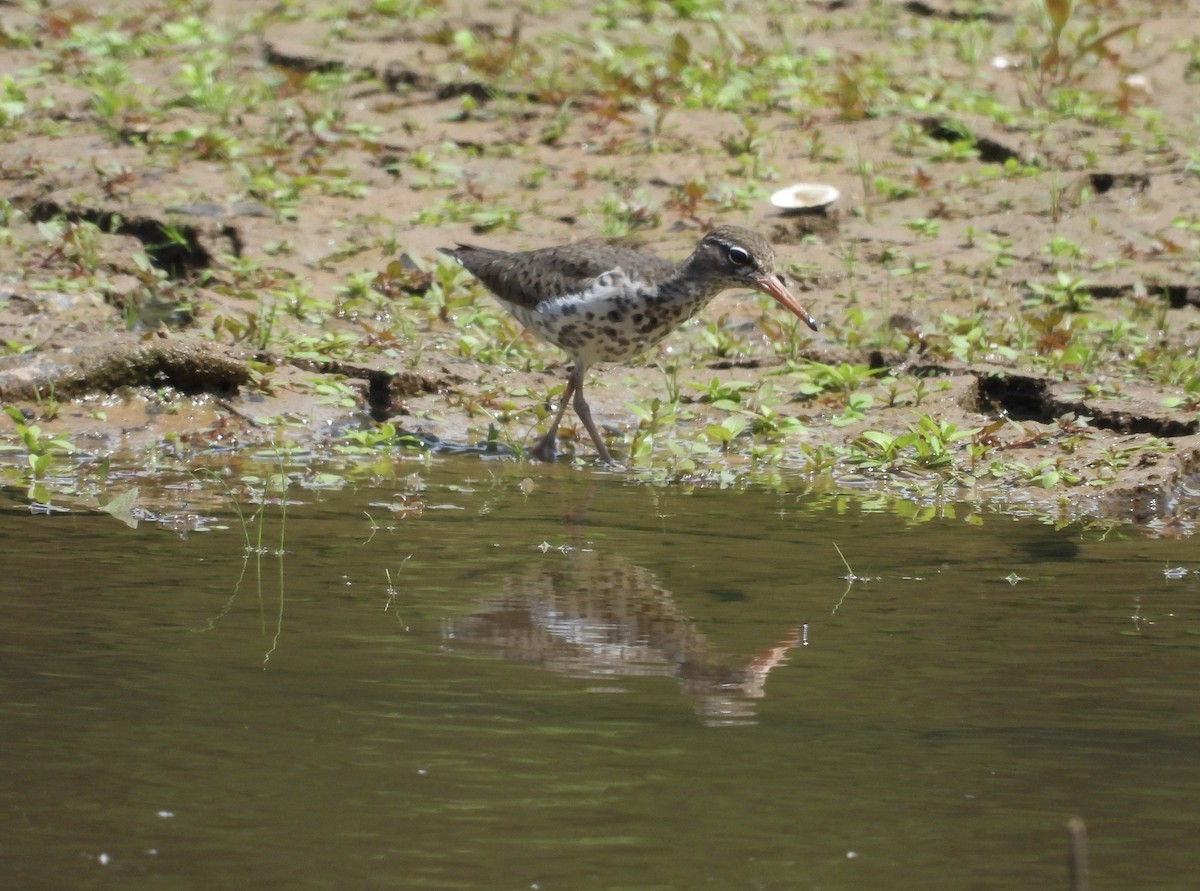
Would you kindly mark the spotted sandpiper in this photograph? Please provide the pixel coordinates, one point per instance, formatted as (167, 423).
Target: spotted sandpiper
(604, 303)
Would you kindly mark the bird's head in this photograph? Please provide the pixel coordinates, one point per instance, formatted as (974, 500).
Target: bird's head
(738, 258)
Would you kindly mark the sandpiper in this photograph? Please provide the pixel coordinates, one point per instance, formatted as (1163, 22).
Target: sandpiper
(605, 303)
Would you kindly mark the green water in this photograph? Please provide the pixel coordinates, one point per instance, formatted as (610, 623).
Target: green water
(449, 682)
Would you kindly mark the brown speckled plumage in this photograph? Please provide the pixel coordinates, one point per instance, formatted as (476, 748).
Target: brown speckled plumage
(604, 303)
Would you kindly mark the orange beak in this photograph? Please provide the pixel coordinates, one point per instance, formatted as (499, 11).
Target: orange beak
(771, 284)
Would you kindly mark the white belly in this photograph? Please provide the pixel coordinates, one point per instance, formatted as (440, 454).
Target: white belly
(613, 320)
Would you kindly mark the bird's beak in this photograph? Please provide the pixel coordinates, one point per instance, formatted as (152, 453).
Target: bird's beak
(772, 285)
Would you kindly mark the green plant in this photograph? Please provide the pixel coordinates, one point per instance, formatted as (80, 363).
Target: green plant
(623, 213)
(380, 436)
(845, 377)
(725, 432)
(41, 447)
(721, 394)
(1066, 292)
(928, 444)
(891, 190)
(654, 415)
(746, 147)
(924, 227)
(854, 410)
(13, 101)
(1056, 65)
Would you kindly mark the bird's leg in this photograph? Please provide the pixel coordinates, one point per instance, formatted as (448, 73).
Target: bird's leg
(544, 449)
(585, 415)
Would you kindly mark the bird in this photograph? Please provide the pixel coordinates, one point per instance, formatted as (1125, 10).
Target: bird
(606, 302)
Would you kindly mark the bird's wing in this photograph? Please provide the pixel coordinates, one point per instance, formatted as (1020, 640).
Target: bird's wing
(596, 294)
(529, 278)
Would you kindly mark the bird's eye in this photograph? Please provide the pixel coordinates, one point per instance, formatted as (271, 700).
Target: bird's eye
(739, 256)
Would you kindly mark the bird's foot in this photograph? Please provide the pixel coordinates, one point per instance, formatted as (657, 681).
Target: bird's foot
(606, 458)
(544, 449)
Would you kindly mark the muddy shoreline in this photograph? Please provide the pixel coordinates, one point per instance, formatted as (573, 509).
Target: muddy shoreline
(197, 257)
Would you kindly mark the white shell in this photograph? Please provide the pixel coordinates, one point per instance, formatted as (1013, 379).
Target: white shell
(805, 196)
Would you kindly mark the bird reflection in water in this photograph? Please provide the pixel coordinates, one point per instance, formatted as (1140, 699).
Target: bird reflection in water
(593, 616)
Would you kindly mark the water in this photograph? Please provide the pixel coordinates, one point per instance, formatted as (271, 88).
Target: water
(457, 680)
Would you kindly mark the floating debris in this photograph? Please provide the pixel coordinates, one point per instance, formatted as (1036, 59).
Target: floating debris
(800, 197)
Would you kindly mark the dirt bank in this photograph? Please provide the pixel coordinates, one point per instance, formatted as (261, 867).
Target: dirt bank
(220, 223)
